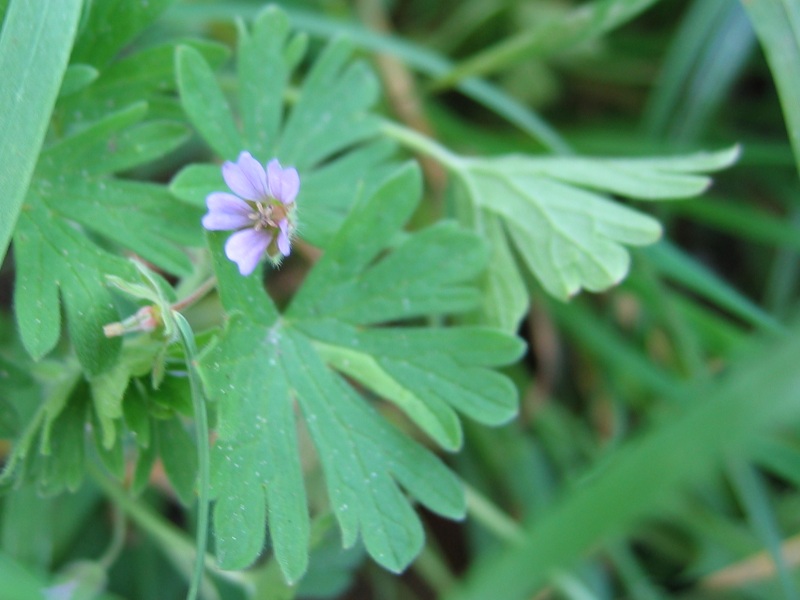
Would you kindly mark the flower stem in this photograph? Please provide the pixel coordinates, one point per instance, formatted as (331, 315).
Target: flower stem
(418, 142)
(203, 452)
(198, 293)
(490, 516)
(117, 538)
(172, 541)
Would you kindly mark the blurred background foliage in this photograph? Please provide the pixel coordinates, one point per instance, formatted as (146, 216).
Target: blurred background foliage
(656, 454)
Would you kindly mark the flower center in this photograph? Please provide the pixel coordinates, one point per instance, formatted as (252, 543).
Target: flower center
(267, 215)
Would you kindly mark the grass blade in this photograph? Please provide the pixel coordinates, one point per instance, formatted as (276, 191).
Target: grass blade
(724, 421)
(673, 264)
(777, 25)
(707, 56)
(585, 23)
(32, 74)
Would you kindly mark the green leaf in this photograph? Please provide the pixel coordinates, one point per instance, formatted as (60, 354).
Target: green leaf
(51, 255)
(569, 237)
(777, 25)
(111, 25)
(18, 583)
(77, 77)
(205, 104)
(112, 144)
(112, 457)
(59, 464)
(324, 134)
(662, 178)
(331, 112)
(108, 391)
(265, 363)
(32, 73)
(179, 456)
(504, 296)
(262, 112)
(723, 420)
(144, 76)
(141, 216)
(584, 23)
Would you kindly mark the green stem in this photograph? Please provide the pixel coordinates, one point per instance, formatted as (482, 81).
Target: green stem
(418, 142)
(198, 293)
(431, 567)
(117, 539)
(174, 543)
(203, 452)
(490, 516)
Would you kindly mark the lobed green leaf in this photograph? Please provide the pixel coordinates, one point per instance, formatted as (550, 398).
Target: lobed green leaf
(569, 237)
(51, 255)
(265, 363)
(205, 104)
(111, 25)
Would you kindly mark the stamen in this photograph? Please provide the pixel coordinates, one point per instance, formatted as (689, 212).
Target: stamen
(263, 216)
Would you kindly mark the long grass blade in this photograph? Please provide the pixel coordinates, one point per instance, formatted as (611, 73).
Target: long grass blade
(32, 73)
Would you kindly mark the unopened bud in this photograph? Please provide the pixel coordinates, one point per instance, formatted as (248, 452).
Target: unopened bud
(146, 318)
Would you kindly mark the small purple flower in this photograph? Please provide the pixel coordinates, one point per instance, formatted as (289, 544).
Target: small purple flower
(261, 212)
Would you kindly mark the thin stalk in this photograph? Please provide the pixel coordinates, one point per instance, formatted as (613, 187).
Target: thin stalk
(203, 452)
(117, 538)
(196, 295)
(433, 569)
(169, 538)
(490, 516)
(421, 143)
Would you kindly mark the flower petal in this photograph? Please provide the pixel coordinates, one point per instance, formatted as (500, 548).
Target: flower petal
(246, 247)
(226, 211)
(246, 177)
(283, 183)
(284, 243)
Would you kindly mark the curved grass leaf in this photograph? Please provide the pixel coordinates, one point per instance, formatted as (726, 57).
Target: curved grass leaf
(584, 23)
(708, 53)
(777, 25)
(723, 421)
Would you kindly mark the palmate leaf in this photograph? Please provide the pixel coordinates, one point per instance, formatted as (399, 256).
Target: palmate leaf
(147, 75)
(269, 368)
(330, 116)
(110, 25)
(72, 187)
(568, 234)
